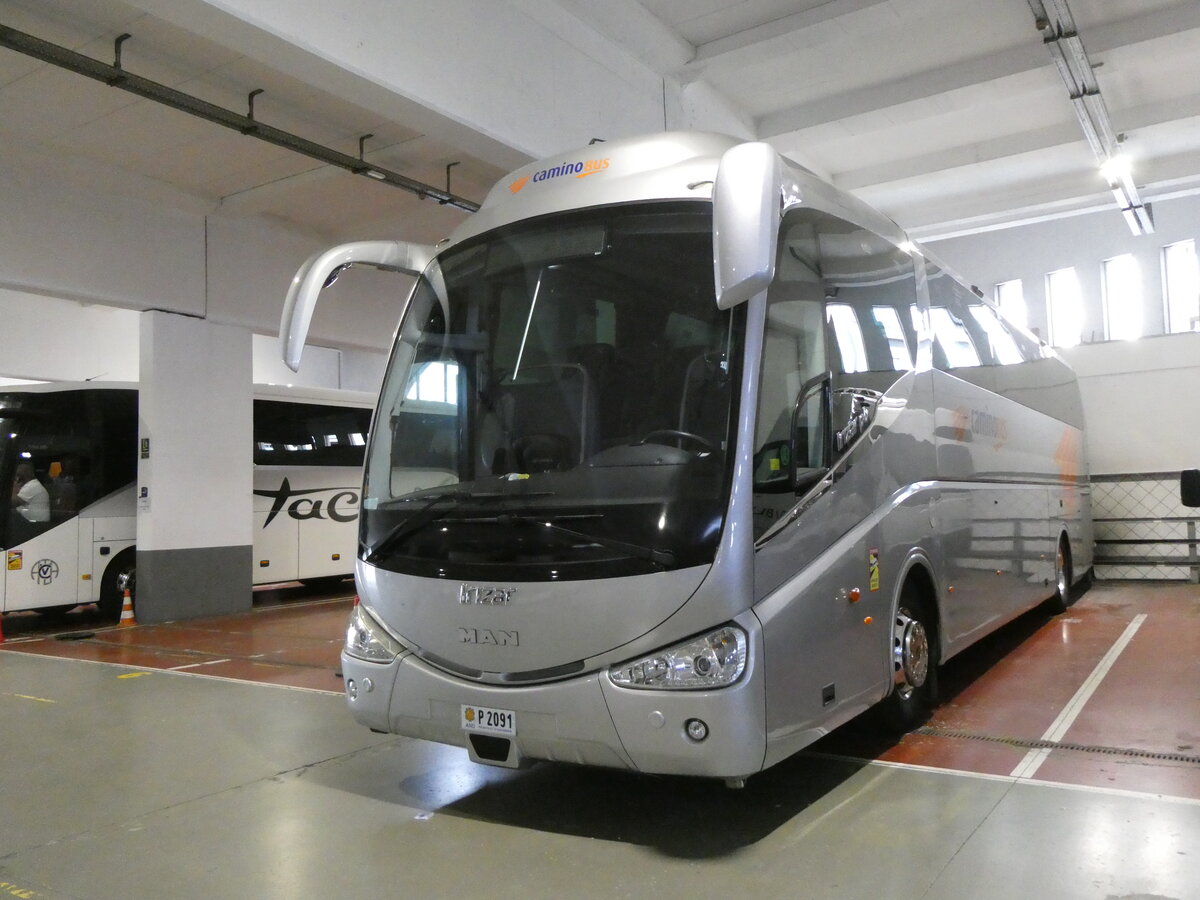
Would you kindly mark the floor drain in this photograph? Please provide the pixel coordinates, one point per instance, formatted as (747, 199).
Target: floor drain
(1037, 744)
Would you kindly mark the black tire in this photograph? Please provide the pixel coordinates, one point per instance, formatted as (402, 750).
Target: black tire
(1063, 596)
(914, 662)
(112, 594)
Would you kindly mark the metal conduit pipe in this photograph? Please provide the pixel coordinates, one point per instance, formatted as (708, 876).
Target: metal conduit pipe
(1061, 37)
(115, 76)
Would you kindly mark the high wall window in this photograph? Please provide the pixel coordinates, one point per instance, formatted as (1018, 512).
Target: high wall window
(1065, 307)
(1010, 297)
(1122, 286)
(1181, 286)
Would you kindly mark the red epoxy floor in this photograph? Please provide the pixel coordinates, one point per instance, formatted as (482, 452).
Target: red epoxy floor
(1139, 730)
(295, 644)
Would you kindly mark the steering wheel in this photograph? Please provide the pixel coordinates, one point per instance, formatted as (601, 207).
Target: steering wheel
(678, 435)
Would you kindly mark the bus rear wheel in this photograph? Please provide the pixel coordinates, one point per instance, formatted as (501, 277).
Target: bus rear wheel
(121, 573)
(914, 663)
(1061, 601)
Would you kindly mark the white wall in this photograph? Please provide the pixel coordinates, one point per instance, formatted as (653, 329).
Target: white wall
(1140, 403)
(46, 339)
(1085, 241)
(77, 262)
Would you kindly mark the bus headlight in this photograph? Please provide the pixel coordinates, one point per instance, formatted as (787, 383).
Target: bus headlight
(367, 640)
(715, 660)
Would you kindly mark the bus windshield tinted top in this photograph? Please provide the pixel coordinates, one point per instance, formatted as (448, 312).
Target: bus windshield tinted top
(559, 403)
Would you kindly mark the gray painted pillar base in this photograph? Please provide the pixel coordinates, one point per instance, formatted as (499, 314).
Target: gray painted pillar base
(187, 584)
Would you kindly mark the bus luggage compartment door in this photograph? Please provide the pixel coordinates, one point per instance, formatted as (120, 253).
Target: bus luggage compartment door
(43, 571)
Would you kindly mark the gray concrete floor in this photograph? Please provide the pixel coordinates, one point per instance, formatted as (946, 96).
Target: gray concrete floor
(117, 783)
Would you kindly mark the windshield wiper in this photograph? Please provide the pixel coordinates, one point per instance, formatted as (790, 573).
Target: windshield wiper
(660, 557)
(418, 520)
(429, 513)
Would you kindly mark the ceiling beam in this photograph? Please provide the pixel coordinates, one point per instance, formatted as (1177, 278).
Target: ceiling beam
(773, 38)
(1033, 141)
(1006, 63)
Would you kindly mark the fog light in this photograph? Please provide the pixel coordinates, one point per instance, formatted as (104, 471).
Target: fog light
(351, 689)
(696, 730)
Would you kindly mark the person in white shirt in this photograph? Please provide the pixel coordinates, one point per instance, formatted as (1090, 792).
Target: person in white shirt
(29, 496)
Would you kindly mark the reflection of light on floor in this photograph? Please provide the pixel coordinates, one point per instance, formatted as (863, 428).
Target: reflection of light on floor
(447, 776)
(1156, 850)
(1066, 628)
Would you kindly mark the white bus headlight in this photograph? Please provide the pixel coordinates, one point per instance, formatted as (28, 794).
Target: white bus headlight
(711, 661)
(366, 639)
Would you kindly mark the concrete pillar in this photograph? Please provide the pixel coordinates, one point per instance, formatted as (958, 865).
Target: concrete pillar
(195, 475)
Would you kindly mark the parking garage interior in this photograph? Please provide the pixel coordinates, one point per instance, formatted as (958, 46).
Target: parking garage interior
(198, 743)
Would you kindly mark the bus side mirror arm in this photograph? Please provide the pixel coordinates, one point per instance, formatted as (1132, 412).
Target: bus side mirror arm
(747, 200)
(321, 269)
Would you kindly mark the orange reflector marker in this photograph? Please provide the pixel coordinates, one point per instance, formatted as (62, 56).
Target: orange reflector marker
(950, 590)
(868, 620)
(336, 556)
(855, 595)
(263, 563)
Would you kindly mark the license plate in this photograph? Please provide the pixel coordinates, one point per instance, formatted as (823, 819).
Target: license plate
(489, 721)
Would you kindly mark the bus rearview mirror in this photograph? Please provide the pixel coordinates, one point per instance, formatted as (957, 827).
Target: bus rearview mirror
(321, 269)
(1189, 487)
(746, 207)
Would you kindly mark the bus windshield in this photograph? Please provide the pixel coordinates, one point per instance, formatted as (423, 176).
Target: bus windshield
(559, 403)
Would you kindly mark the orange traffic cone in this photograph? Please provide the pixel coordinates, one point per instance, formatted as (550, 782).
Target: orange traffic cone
(127, 618)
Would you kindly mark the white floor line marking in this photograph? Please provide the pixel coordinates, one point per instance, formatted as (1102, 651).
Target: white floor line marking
(1033, 760)
(1009, 779)
(211, 662)
(150, 670)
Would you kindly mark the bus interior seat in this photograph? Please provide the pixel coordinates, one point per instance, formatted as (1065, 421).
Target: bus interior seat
(546, 416)
(704, 406)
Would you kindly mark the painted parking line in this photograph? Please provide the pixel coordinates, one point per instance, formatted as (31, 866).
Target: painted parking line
(210, 662)
(1033, 760)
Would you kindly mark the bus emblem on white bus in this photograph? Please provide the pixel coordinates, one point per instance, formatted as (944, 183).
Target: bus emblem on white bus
(44, 571)
(483, 595)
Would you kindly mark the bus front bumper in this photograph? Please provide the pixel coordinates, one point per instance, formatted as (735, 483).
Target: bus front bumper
(586, 720)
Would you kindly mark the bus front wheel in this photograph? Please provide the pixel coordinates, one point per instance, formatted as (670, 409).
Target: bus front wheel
(121, 572)
(914, 663)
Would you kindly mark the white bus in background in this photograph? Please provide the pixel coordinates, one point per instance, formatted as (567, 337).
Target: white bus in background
(80, 443)
(732, 461)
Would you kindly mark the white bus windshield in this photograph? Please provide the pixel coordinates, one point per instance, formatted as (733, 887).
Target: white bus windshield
(559, 403)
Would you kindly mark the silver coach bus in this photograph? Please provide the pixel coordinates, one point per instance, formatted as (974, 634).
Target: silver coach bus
(684, 458)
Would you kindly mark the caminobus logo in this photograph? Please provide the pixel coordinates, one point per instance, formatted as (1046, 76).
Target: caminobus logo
(342, 506)
(580, 169)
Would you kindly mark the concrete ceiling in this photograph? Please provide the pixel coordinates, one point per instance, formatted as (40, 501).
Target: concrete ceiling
(947, 114)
